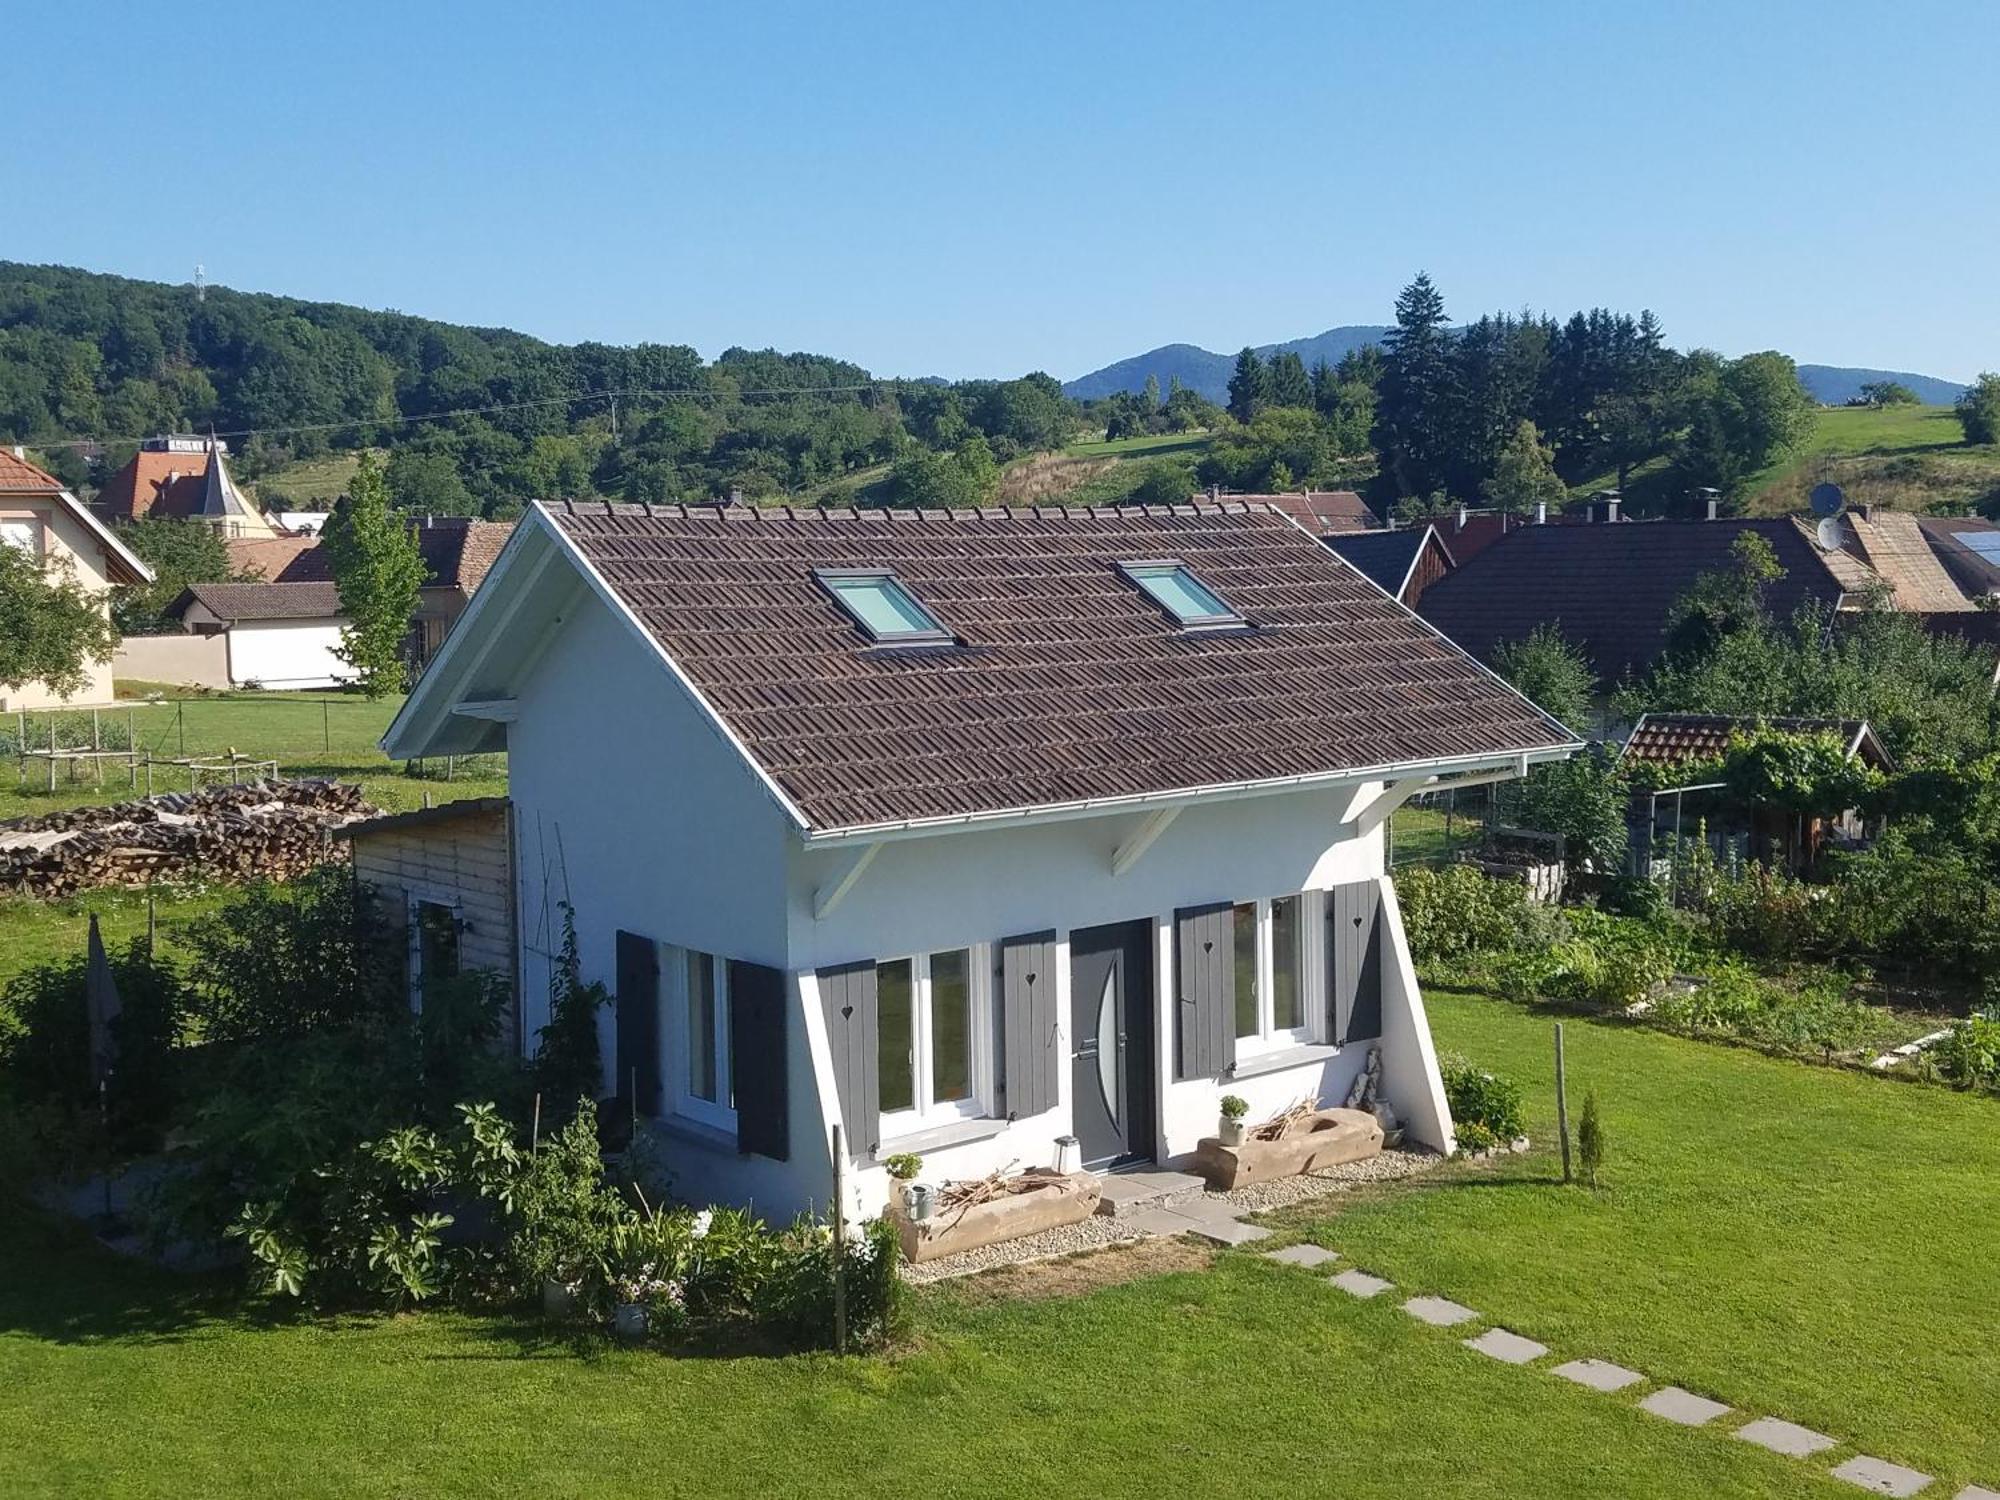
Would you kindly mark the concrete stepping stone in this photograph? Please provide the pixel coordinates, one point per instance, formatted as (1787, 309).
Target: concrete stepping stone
(1599, 1374)
(1439, 1312)
(1684, 1407)
(1360, 1284)
(1227, 1231)
(1787, 1438)
(1308, 1256)
(1977, 1492)
(1880, 1477)
(1508, 1348)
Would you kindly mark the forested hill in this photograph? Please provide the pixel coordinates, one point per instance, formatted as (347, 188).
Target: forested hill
(84, 355)
(1207, 373)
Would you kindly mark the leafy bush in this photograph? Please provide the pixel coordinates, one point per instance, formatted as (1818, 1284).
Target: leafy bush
(1453, 913)
(1608, 962)
(1810, 1014)
(1970, 1055)
(1485, 1109)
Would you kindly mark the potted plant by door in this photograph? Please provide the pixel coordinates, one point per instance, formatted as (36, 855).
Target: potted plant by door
(1231, 1129)
(903, 1168)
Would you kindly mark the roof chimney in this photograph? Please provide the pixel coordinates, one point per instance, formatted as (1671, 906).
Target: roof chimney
(735, 495)
(21, 452)
(1541, 512)
(1462, 514)
(1215, 492)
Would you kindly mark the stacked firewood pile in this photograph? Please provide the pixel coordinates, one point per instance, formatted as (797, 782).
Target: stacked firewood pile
(261, 829)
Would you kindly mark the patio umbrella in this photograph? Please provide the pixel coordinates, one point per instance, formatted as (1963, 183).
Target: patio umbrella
(100, 995)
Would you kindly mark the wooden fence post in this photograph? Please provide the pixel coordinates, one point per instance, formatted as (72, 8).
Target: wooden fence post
(1562, 1102)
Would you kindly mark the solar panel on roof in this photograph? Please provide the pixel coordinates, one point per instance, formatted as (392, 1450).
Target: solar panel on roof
(1985, 543)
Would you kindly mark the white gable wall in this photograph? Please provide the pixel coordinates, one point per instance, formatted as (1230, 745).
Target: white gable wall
(287, 654)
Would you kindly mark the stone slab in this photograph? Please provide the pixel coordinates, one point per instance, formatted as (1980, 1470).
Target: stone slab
(1684, 1407)
(1880, 1477)
(1977, 1492)
(1228, 1231)
(1599, 1374)
(1439, 1312)
(1787, 1438)
(1161, 1221)
(1302, 1255)
(1508, 1348)
(1123, 1193)
(1360, 1284)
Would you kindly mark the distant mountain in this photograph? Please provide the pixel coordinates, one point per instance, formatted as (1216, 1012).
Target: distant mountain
(1207, 373)
(1836, 385)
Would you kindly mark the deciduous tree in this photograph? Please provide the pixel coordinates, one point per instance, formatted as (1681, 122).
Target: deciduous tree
(51, 627)
(379, 573)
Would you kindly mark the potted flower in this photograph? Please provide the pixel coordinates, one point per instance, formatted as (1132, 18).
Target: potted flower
(1231, 1130)
(903, 1168)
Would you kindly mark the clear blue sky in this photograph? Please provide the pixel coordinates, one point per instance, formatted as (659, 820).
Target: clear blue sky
(961, 190)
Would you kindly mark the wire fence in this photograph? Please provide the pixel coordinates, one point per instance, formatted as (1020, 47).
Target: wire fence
(1437, 828)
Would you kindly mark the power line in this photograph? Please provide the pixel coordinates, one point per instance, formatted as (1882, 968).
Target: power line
(572, 399)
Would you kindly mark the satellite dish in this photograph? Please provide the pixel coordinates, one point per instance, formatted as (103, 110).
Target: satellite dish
(1832, 536)
(1827, 501)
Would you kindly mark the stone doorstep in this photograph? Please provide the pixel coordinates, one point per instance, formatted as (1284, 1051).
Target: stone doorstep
(1508, 1348)
(1783, 1437)
(1684, 1407)
(1599, 1374)
(1439, 1312)
(1136, 1192)
(1882, 1477)
(1360, 1283)
(1308, 1256)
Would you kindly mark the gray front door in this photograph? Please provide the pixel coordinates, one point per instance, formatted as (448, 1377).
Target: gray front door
(1111, 1031)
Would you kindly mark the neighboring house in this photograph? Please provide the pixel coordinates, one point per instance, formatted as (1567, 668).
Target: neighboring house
(1610, 586)
(279, 635)
(184, 479)
(1968, 547)
(457, 553)
(1661, 818)
(972, 833)
(1401, 563)
(1324, 512)
(445, 878)
(1896, 545)
(41, 518)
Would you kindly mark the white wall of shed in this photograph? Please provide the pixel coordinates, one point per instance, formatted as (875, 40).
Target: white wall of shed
(287, 654)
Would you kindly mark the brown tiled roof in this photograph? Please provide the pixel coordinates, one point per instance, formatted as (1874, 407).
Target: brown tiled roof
(18, 476)
(457, 554)
(262, 601)
(1318, 510)
(1069, 683)
(1610, 586)
(1671, 738)
(1897, 548)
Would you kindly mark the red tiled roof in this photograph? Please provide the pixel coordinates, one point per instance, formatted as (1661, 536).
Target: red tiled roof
(154, 483)
(1672, 738)
(1068, 684)
(1611, 586)
(1318, 510)
(457, 554)
(18, 476)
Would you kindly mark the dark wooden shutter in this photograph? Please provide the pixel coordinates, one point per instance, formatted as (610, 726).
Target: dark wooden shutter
(847, 998)
(1028, 1024)
(1354, 961)
(760, 1060)
(1204, 991)
(638, 1016)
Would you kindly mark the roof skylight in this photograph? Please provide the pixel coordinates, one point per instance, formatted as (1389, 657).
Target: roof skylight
(1176, 590)
(880, 605)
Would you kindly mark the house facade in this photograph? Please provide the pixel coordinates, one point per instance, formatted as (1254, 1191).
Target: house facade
(1000, 837)
(276, 635)
(48, 523)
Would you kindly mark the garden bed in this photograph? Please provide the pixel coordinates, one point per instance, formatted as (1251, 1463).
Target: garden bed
(1327, 1138)
(1036, 1201)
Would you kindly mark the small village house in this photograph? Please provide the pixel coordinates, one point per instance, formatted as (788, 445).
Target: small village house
(44, 520)
(1402, 563)
(991, 835)
(184, 479)
(274, 635)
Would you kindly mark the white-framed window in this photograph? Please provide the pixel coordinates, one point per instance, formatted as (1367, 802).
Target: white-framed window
(1277, 989)
(934, 1057)
(694, 1039)
(22, 533)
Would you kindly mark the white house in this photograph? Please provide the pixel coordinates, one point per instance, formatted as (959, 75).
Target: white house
(279, 635)
(969, 832)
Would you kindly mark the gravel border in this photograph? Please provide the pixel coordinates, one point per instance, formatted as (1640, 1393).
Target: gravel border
(1391, 1165)
(1093, 1233)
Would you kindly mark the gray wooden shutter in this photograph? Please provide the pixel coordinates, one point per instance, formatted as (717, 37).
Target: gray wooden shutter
(760, 1060)
(637, 1083)
(1028, 1024)
(847, 997)
(1204, 991)
(1354, 961)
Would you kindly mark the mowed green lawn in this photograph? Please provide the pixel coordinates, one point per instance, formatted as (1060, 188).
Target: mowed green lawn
(36, 932)
(308, 734)
(1791, 1239)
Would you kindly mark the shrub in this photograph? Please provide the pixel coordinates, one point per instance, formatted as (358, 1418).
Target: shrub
(568, 1064)
(1591, 1144)
(1607, 962)
(1811, 1013)
(1453, 913)
(1970, 1055)
(1485, 1109)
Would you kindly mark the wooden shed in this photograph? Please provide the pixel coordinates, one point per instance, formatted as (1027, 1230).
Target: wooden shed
(446, 874)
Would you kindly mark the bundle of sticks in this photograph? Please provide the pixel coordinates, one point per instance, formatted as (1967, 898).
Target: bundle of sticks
(1295, 1113)
(263, 829)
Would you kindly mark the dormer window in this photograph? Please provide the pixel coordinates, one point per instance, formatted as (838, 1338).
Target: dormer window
(880, 605)
(1192, 603)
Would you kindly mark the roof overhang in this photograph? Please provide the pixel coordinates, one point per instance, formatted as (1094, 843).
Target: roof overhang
(123, 565)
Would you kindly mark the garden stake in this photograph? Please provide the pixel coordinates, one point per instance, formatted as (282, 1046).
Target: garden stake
(535, 1130)
(1562, 1102)
(839, 1244)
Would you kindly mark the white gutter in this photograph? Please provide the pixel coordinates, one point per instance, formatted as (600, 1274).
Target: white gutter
(1512, 763)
